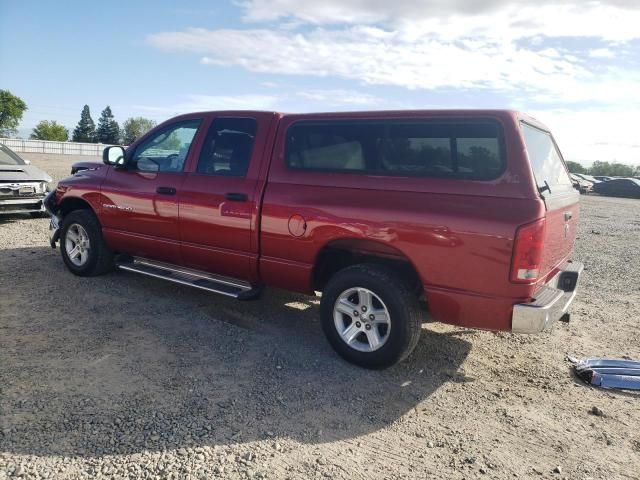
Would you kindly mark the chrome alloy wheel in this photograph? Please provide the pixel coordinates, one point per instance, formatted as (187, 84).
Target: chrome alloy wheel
(362, 319)
(77, 245)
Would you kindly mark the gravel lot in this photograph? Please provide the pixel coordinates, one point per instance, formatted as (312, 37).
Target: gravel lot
(125, 376)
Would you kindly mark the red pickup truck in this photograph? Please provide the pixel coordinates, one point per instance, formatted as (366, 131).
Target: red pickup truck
(467, 215)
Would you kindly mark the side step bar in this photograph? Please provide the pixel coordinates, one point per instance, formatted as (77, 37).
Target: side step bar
(193, 278)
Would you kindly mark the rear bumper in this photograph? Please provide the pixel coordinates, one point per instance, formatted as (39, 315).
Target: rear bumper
(550, 303)
(21, 205)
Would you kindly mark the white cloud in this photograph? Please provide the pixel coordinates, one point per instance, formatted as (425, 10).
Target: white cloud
(608, 19)
(601, 53)
(430, 44)
(371, 55)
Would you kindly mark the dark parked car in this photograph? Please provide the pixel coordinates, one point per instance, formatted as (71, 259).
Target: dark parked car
(602, 178)
(22, 186)
(619, 187)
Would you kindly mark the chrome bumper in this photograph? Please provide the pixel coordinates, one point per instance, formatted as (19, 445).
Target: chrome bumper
(550, 302)
(21, 205)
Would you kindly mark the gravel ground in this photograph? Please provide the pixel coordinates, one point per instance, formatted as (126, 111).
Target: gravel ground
(123, 376)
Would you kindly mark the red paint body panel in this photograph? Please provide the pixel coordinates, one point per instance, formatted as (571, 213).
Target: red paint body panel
(133, 210)
(457, 234)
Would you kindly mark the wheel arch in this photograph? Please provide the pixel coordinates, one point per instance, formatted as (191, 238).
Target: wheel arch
(69, 204)
(338, 254)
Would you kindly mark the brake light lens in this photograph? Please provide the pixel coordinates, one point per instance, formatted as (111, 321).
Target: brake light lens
(527, 252)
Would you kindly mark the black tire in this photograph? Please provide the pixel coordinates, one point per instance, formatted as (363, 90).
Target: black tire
(402, 305)
(100, 258)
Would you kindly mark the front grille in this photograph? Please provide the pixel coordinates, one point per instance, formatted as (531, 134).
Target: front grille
(20, 190)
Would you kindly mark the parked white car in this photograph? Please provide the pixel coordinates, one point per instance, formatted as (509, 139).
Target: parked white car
(22, 186)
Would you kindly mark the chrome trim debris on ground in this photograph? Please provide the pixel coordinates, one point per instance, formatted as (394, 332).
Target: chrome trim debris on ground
(608, 373)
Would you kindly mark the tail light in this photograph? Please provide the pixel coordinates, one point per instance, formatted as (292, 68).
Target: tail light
(527, 252)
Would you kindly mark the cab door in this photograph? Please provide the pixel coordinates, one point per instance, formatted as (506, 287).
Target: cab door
(219, 198)
(140, 201)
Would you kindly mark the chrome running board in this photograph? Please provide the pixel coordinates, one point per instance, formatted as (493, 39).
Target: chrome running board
(192, 278)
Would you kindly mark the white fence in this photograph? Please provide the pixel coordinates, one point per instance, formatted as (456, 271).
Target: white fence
(44, 146)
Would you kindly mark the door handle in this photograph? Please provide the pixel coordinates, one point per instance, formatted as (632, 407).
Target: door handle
(166, 190)
(568, 216)
(236, 197)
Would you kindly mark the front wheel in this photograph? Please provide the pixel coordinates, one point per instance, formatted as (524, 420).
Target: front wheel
(83, 249)
(370, 316)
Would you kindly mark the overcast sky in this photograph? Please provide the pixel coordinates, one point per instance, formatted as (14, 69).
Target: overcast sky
(573, 65)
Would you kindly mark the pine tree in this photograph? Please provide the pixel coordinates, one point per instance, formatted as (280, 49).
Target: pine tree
(85, 131)
(108, 130)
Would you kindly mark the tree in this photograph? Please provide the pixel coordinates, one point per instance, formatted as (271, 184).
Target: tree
(620, 170)
(85, 131)
(575, 167)
(611, 169)
(11, 110)
(50, 130)
(108, 130)
(134, 128)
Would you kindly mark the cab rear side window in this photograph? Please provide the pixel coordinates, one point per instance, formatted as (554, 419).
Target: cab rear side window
(467, 150)
(228, 146)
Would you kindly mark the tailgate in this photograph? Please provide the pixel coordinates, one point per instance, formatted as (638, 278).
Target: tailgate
(560, 232)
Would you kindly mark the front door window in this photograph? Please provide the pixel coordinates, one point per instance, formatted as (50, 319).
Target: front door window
(167, 150)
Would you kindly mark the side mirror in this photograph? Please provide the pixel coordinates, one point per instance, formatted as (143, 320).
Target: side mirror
(114, 156)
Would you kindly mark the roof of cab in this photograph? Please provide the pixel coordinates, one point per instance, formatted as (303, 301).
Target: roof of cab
(504, 114)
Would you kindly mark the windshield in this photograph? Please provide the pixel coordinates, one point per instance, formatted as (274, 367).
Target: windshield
(7, 157)
(546, 162)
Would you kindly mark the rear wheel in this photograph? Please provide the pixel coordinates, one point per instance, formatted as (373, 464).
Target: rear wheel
(370, 316)
(82, 246)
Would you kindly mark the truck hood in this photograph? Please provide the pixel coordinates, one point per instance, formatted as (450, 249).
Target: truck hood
(80, 166)
(23, 173)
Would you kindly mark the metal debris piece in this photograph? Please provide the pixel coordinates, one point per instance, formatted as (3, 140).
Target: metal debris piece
(608, 373)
